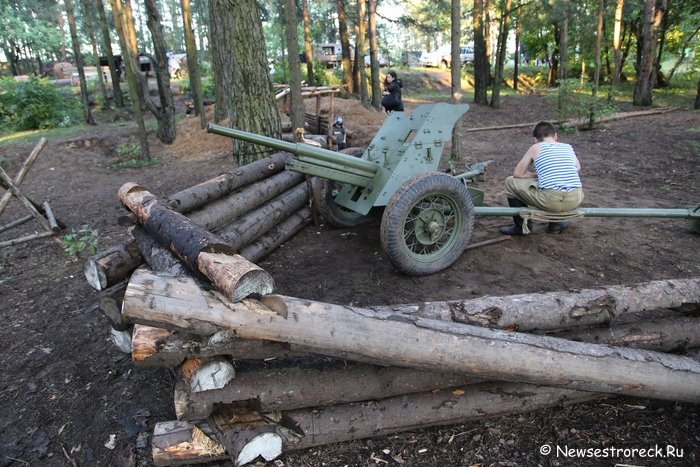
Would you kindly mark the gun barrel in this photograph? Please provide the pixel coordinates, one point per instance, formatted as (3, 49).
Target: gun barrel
(299, 149)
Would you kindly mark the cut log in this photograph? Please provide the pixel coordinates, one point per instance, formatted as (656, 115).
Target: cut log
(246, 436)
(112, 265)
(662, 335)
(183, 443)
(222, 211)
(251, 226)
(559, 310)
(434, 345)
(161, 347)
(202, 251)
(207, 375)
(277, 235)
(159, 258)
(199, 195)
(330, 383)
(121, 340)
(29, 161)
(320, 426)
(235, 276)
(110, 305)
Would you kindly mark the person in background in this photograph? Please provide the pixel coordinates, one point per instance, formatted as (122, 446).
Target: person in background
(553, 186)
(392, 93)
(338, 133)
(173, 65)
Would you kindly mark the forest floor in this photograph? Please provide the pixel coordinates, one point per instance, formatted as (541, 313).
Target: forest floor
(66, 391)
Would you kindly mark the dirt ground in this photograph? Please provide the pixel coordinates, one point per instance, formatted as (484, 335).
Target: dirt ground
(65, 390)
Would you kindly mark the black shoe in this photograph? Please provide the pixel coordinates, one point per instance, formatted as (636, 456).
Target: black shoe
(517, 229)
(557, 227)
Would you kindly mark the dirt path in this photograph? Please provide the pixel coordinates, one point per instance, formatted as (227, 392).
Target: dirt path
(65, 390)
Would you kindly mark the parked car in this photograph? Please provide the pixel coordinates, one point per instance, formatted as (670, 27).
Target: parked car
(442, 57)
(380, 58)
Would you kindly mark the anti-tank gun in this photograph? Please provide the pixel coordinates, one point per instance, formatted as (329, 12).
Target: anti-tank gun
(428, 215)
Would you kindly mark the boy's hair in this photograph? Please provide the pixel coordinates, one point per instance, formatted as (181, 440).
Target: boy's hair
(543, 130)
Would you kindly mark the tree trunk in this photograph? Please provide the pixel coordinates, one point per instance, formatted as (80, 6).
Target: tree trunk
(653, 15)
(373, 55)
(165, 114)
(256, 223)
(107, 45)
(348, 77)
(79, 62)
(617, 48)
(158, 257)
(516, 63)
(200, 250)
(204, 193)
(360, 50)
(131, 67)
(193, 73)
(559, 310)
(403, 413)
(297, 104)
(696, 106)
(87, 11)
(243, 71)
(222, 211)
(456, 75)
(307, 44)
(481, 66)
(297, 387)
(273, 238)
(500, 55)
(436, 346)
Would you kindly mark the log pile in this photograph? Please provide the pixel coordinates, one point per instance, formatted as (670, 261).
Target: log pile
(260, 374)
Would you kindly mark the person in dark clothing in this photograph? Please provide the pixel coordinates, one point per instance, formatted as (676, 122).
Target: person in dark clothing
(392, 93)
(338, 133)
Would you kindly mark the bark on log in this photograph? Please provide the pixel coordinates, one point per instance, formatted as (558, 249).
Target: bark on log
(330, 383)
(159, 258)
(246, 229)
(182, 443)
(220, 212)
(276, 236)
(559, 310)
(414, 411)
(434, 345)
(202, 251)
(199, 195)
(112, 265)
(110, 305)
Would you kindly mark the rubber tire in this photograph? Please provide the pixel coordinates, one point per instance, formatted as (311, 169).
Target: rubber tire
(333, 214)
(443, 188)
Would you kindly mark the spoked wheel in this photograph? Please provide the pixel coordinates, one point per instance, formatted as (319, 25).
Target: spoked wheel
(427, 224)
(324, 195)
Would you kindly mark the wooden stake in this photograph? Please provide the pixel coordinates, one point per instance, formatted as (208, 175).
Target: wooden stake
(40, 145)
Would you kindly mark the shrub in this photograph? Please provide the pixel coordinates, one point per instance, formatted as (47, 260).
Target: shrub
(574, 101)
(79, 241)
(35, 104)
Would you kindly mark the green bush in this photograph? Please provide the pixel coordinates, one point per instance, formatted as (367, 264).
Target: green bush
(575, 102)
(35, 104)
(83, 240)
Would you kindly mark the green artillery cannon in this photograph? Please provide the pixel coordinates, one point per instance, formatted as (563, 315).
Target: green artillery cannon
(429, 215)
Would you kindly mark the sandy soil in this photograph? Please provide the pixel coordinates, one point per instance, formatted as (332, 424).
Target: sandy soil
(65, 390)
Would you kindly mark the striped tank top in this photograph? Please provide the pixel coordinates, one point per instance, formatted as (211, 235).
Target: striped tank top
(555, 166)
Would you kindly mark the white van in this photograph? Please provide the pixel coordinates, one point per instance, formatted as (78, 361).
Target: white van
(441, 58)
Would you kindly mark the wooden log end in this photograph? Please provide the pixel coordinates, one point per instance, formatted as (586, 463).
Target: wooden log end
(265, 445)
(121, 339)
(212, 374)
(180, 443)
(94, 275)
(144, 342)
(128, 188)
(257, 282)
